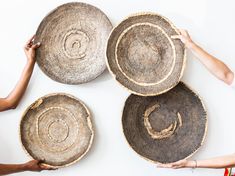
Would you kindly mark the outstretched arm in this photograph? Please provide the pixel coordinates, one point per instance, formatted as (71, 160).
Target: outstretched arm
(217, 162)
(29, 166)
(214, 65)
(13, 99)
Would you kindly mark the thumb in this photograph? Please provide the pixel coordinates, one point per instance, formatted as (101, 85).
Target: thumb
(37, 45)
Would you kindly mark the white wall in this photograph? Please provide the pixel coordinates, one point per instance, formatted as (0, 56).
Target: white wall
(211, 24)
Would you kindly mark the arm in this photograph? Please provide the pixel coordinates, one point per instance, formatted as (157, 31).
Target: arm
(29, 166)
(13, 99)
(216, 163)
(214, 65)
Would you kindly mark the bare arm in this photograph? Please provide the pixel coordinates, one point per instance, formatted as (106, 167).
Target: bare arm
(13, 99)
(214, 65)
(216, 163)
(29, 166)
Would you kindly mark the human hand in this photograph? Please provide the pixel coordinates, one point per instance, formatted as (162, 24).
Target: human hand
(179, 164)
(30, 49)
(37, 166)
(184, 37)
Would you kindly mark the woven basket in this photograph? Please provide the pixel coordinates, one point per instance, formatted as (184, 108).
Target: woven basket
(73, 38)
(165, 128)
(142, 56)
(57, 128)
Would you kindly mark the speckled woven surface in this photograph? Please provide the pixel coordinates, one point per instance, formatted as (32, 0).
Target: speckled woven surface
(165, 128)
(57, 128)
(143, 57)
(73, 38)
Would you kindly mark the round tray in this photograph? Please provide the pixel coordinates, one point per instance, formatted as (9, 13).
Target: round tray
(165, 128)
(73, 40)
(143, 57)
(57, 129)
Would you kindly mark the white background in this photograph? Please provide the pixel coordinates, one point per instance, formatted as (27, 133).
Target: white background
(211, 24)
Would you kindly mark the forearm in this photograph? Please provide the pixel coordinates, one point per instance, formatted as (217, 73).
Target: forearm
(15, 96)
(12, 100)
(217, 162)
(214, 65)
(12, 168)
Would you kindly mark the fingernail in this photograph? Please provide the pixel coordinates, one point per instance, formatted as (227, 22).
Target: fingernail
(38, 43)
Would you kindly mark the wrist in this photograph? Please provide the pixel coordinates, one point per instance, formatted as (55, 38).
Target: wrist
(24, 167)
(30, 62)
(191, 164)
(190, 44)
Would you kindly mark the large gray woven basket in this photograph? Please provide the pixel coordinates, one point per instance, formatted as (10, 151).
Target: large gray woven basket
(73, 42)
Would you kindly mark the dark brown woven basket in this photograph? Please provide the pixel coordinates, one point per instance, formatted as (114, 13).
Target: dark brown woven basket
(165, 128)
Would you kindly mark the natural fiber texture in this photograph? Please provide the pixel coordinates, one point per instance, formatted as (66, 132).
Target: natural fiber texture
(142, 55)
(57, 128)
(165, 128)
(73, 38)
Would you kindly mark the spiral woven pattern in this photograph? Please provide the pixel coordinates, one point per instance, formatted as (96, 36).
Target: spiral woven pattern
(73, 38)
